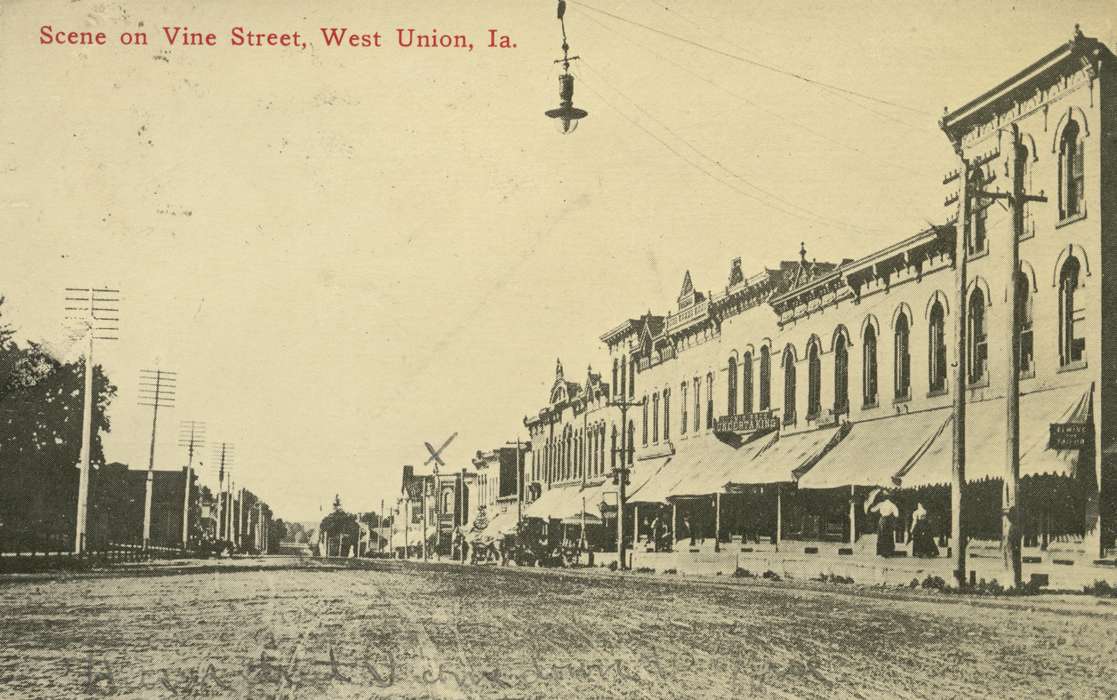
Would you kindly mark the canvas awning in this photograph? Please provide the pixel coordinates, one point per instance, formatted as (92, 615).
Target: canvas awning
(642, 477)
(985, 438)
(876, 450)
(555, 502)
(788, 458)
(719, 464)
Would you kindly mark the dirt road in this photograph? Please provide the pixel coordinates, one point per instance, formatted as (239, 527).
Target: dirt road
(311, 630)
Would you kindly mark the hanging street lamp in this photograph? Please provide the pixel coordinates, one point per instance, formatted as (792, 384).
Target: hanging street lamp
(567, 115)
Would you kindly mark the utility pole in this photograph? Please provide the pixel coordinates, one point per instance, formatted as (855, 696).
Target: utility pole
(621, 473)
(1011, 531)
(223, 455)
(519, 482)
(192, 436)
(157, 389)
(961, 348)
(95, 314)
(426, 493)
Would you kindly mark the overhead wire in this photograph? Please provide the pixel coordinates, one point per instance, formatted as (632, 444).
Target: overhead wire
(756, 63)
(783, 119)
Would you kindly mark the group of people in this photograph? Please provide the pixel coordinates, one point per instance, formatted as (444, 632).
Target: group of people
(923, 541)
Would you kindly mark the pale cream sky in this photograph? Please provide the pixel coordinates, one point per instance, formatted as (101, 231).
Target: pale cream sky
(345, 252)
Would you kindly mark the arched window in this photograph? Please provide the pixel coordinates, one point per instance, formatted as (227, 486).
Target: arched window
(788, 387)
(644, 430)
(1072, 186)
(631, 447)
(841, 375)
(814, 382)
(655, 417)
(1072, 346)
(666, 414)
(682, 408)
(980, 214)
(624, 377)
(869, 366)
(978, 339)
(746, 384)
(613, 451)
(632, 378)
(1024, 316)
(903, 358)
(936, 348)
(710, 401)
(697, 404)
(731, 405)
(601, 447)
(447, 502)
(765, 378)
(615, 385)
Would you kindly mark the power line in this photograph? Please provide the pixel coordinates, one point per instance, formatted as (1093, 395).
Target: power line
(783, 119)
(792, 212)
(753, 62)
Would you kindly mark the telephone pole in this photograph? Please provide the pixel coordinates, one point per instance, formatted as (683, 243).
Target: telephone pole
(223, 455)
(1011, 531)
(622, 471)
(95, 314)
(192, 436)
(157, 389)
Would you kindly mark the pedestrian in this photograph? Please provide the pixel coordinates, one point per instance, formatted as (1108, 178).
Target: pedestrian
(688, 531)
(922, 542)
(886, 525)
(654, 535)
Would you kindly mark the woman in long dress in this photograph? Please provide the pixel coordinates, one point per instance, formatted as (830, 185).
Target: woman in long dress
(886, 526)
(923, 543)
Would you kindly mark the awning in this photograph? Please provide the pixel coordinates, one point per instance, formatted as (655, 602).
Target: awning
(788, 458)
(641, 480)
(555, 502)
(719, 464)
(875, 450)
(503, 523)
(985, 438)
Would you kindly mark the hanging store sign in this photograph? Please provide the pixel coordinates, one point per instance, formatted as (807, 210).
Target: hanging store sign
(1071, 436)
(747, 423)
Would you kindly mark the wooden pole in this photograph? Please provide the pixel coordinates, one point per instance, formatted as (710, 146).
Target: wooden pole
(717, 522)
(86, 444)
(1011, 521)
(961, 309)
(779, 516)
(852, 515)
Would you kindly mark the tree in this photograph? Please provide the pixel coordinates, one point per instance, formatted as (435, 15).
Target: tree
(277, 533)
(341, 528)
(40, 437)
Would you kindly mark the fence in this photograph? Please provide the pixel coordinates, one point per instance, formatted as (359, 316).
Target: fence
(113, 554)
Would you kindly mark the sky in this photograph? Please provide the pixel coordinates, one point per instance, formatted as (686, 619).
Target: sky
(346, 252)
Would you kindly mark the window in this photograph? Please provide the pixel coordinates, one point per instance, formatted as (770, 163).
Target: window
(631, 445)
(1072, 346)
(615, 385)
(978, 340)
(746, 384)
(624, 377)
(613, 451)
(841, 375)
(644, 430)
(903, 359)
(697, 404)
(683, 423)
(655, 417)
(788, 387)
(632, 378)
(1071, 177)
(936, 349)
(710, 401)
(765, 379)
(601, 447)
(1026, 346)
(980, 214)
(869, 366)
(666, 414)
(731, 406)
(814, 382)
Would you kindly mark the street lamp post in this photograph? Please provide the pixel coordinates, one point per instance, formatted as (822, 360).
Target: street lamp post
(622, 471)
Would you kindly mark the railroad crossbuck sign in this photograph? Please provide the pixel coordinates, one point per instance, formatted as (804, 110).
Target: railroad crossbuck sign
(436, 455)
